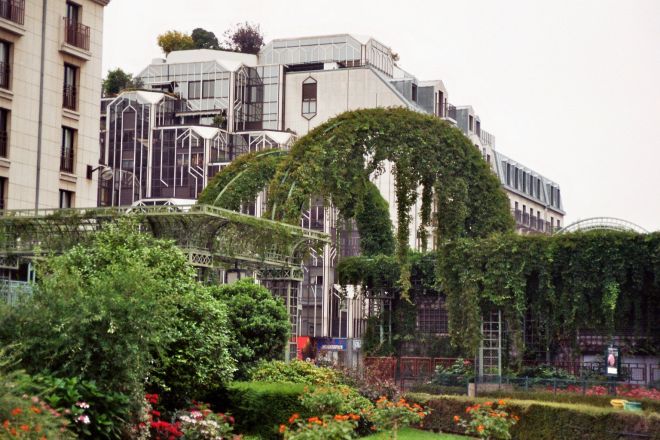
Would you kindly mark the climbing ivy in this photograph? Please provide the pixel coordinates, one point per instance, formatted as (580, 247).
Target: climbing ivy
(604, 281)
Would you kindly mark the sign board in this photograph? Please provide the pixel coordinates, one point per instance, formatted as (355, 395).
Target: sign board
(331, 344)
(612, 362)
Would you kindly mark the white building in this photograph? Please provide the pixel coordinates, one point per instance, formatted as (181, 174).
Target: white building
(50, 82)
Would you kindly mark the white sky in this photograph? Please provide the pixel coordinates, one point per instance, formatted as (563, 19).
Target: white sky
(570, 88)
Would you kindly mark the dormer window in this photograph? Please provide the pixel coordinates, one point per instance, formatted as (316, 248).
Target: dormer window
(309, 98)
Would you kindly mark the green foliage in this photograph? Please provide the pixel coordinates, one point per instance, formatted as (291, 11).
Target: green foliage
(117, 80)
(320, 428)
(336, 159)
(204, 39)
(602, 281)
(374, 224)
(488, 420)
(122, 308)
(108, 412)
(171, 41)
(546, 420)
(242, 180)
(332, 400)
(415, 434)
(260, 407)
(296, 371)
(391, 416)
(259, 323)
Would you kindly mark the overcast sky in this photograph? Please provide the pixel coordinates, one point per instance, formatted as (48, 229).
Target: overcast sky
(570, 88)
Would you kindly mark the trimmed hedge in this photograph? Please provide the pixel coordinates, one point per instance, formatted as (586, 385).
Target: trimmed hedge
(547, 420)
(260, 407)
(594, 400)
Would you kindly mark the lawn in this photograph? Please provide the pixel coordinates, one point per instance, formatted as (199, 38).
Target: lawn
(416, 434)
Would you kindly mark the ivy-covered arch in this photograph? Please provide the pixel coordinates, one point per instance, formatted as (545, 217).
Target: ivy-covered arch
(337, 160)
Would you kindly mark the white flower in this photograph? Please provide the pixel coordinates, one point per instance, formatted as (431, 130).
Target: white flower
(83, 405)
(84, 419)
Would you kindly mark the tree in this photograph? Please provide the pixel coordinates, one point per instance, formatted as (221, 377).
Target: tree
(116, 81)
(175, 40)
(121, 308)
(259, 321)
(245, 37)
(204, 39)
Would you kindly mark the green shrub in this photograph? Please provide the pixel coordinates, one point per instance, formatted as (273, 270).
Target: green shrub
(546, 420)
(295, 372)
(577, 398)
(259, 323)
(338, 399)
(108, 413)
(260, 407)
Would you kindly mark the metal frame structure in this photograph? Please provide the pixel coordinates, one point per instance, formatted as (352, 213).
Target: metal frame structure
(210, 235)
(602, 223)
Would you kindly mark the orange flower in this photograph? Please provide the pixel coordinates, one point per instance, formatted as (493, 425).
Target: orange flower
(354, 416)
(516, 418)
(282, 429)
(293, 418)
(480, 428)
(501, 402)
(16, 411)
(6, 424)
(488, 403)
(340, 418)
(25, 428)
(457, 419)
(35, 410)
(314, 420)
(13, 432)
(468, 409)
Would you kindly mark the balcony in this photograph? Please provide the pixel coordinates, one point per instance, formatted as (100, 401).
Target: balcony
(4, 144)
(70, 97)
(5, 75)
(13, 10)
(450, 112)
(486, 138)
(66, 161)
(75, 39)
(76, 34)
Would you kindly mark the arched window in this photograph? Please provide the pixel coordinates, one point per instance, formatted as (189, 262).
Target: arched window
(309, 98)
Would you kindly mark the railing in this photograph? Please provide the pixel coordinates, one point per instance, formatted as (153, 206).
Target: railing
(517, 215)
(66, 161)
(13, 10)
(4, 144)
(76, 34)
(70, 97)
(11, 291)
(5, 74)
(450, 111)
(487, 138)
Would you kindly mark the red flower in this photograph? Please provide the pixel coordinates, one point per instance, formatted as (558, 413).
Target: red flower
(16, 411)
(25, 428)
(155, 413)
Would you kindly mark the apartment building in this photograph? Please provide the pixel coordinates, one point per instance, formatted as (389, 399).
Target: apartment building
(50, 84)
(201, 108)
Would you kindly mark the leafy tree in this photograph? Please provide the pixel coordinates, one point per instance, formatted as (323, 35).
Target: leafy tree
(116, 81)
(259, 321)
(204, 39)
(117, 310)
(245, 37)
(175, 40)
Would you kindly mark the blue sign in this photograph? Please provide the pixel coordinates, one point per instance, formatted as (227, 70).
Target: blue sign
(331, 344)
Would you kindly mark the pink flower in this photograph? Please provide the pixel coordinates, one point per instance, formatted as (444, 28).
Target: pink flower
(83, 419)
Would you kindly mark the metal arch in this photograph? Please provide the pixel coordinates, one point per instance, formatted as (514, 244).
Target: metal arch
(602, 223)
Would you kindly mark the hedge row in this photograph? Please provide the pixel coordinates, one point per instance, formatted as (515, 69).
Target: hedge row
(260, 407)
(547, 420)
(594, 400)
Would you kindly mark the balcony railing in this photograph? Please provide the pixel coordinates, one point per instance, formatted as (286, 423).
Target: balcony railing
(13, 10)
(487, 138)
(5, 74)
(4, 143)
(450, 111)
(76, 34)
(70, 97)
(66, 161)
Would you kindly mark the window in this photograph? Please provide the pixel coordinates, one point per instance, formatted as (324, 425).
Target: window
(552, 221)
(558, 199)
(478, 125)
(508, 174)
(4, 132)
(70, 87)
(208, 89)
(440, 104)
(558, 223)
(72, 12)
(13, 10)
(515, 178)
(524, 181)
(538, 188)
(309, 98)
(516, 205)
(5, 64)
(414, 92)
(488, 158)
(471, 123)
(194, 89)
(66, 199)
(524, 209)
(531, 212)
(67, 155)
